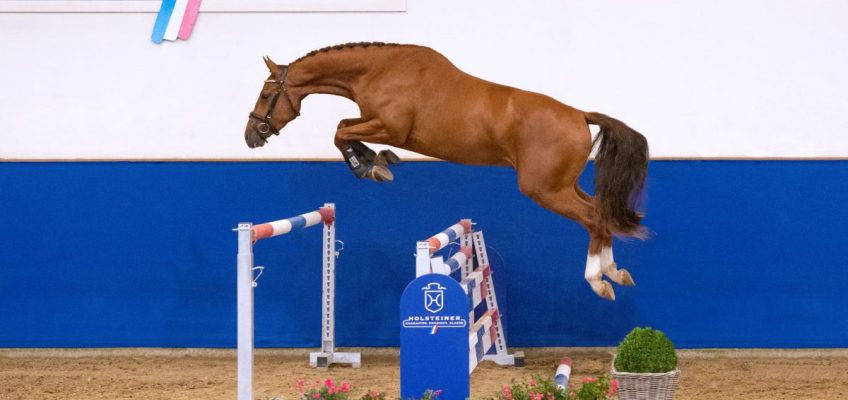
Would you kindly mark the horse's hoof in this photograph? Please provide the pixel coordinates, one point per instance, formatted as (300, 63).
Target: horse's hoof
(388, 156)
(619, 276)
(360, 171)
(625, 278)
(604, 289)
(380, 173)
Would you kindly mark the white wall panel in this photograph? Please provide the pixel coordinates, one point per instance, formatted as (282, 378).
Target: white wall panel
(206, 6)
(699, 79)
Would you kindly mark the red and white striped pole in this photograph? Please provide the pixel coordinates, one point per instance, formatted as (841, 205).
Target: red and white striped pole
(563, 372)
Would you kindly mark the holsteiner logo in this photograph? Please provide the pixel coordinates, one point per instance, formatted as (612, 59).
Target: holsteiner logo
(434, 297)
(434, 301)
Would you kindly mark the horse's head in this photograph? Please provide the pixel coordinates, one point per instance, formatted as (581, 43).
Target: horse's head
(274, 108)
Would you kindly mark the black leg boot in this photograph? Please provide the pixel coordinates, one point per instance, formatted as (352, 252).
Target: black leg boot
(386, 157)
(355, 163)
(364, 152)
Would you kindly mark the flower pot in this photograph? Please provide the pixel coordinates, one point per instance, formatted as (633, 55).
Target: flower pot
(646, 386)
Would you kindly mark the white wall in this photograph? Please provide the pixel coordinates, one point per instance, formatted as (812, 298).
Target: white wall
(699, 79)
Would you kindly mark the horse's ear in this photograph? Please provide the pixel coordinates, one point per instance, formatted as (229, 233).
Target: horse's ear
(271, 65)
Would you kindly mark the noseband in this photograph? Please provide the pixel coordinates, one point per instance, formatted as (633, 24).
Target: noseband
(264, 126)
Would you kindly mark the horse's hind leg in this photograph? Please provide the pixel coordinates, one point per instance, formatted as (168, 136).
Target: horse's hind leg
(608, 265)
(619, 276)
(568, 203)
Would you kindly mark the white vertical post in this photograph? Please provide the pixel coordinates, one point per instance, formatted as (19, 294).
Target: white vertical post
(244, 284)
(329, 286)
(466, 269)
(328, 355)
(422, 259)
(465, 241)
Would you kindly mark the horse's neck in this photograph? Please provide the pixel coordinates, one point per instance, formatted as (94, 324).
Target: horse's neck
(329, 73)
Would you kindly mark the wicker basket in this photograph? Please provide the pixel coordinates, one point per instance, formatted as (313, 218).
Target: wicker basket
(646, 386)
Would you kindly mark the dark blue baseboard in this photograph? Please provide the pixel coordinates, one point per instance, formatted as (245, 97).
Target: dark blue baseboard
(745, 254)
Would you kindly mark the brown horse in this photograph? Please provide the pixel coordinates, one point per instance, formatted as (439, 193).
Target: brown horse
(412, 97)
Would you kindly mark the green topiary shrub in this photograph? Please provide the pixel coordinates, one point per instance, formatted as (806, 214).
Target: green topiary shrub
(645, 350)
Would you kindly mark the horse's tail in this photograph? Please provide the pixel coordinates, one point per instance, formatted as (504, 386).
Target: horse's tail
(621, 165)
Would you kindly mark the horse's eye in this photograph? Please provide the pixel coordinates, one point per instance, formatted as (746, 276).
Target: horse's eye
(265, 94)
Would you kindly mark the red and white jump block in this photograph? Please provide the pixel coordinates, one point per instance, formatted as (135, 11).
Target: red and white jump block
(486, 332)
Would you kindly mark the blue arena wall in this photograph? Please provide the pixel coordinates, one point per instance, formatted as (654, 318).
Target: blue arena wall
(105, 254)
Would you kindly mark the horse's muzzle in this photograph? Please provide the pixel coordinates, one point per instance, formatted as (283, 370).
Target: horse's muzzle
(258, 131)
(253, 138)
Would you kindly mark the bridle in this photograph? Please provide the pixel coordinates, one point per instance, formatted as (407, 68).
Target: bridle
(264, 126)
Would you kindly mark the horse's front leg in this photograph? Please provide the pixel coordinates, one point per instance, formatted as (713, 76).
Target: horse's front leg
(357, 156)
(384, 157)
(363, 161)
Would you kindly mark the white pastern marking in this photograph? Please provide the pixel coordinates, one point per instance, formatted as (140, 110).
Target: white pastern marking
(593, 267)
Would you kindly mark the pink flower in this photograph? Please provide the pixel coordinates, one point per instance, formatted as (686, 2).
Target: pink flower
(316, 395)
(345, 387)
(589, 380)
(331, 390)
(550, 396)
(613, 388)
(537, 396)
(437, 393)
(507, 393)
(374, 394)
(300, 382)
(329, 383)
(533, 383)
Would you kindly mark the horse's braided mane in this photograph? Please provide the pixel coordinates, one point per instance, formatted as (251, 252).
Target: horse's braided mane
(346, 46)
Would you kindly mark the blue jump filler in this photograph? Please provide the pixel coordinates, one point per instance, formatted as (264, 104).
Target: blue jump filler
(434, 338)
